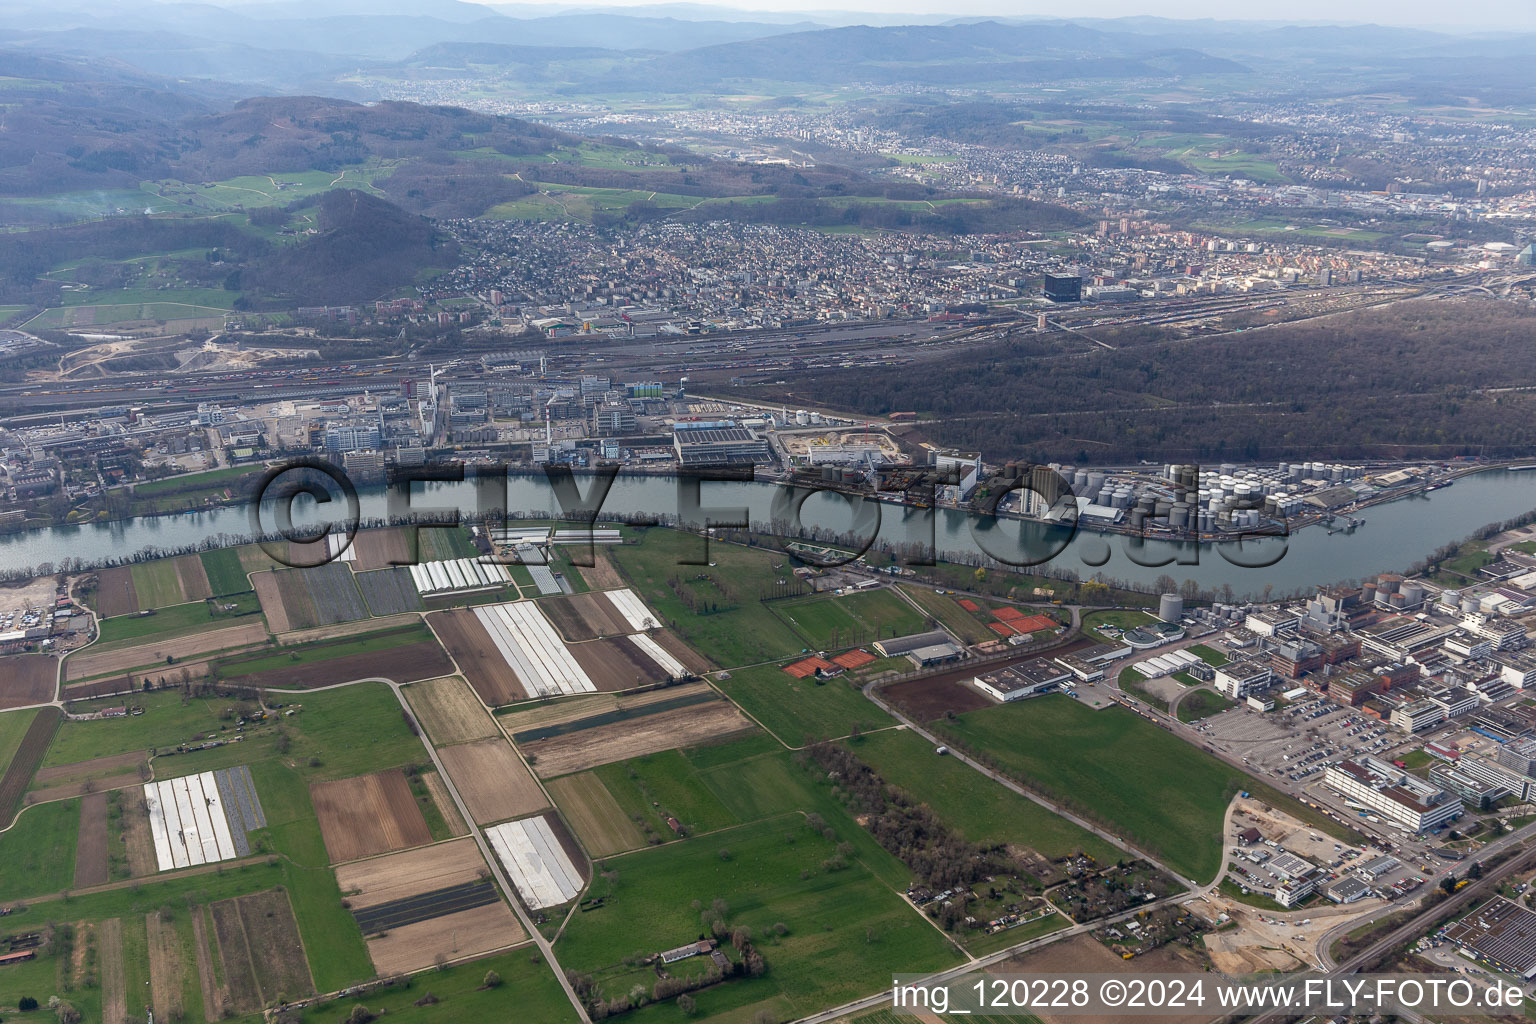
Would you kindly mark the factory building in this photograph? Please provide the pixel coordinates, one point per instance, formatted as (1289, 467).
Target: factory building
(1502, 934)
(718, 444)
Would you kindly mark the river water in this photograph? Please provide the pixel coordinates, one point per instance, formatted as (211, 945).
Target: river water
(1395, 534)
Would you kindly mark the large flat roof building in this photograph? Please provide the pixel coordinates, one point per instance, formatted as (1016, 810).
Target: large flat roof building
(1500, 933)
(1406, 800)
(718, 445)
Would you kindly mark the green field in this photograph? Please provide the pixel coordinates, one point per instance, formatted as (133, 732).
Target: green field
(156, 584)
(801, 710)
(337, 733)
(225, 573)
(13, 726)
(844, 932)
(658, 785)
(1202, 704)
(37, 854)
(944, 609)
(835, 622)
(177, 620)
(114, 308)
(326, 650)
(742, 634)
(1210, 655)
(981, 810)
(461, 996)
(1148, 785)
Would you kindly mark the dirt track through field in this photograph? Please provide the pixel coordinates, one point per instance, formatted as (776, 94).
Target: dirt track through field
(271, 599)
(114, 592)
(493, 782)
(368, 815)
(450, 711)
(99, 663)
(91, 842)
(114, 1001)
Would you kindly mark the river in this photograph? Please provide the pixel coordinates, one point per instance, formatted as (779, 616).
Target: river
(1395, 535)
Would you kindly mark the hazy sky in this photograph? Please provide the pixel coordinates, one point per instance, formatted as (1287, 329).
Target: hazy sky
(1491, 14)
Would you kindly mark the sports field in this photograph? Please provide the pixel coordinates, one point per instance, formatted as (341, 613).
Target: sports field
(832, 622)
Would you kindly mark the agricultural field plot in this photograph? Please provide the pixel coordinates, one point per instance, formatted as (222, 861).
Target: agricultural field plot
(666, 795)
(798, 711)
(478, 659)
(450, 712)
(416, 906)
(29, 753)
(114, 592)
(188, 821)
(981, 810)
(403, 655)
(368, 815)
(27, 679)
(1165, 795)
(537, 656)
(320, 596)
(381, 549)
(843, 929)
(542, 864)
(461, 995)
(100, 770)
(260, 950)
(493, 782)
(627, 662)
(742, 631)
(91, 842)
(89, 663)
(157, 584)
(603, 826)
(193, 578)
(836, 622)
(389, 591)
(178, 620)
(458, 574)
(591, 615)
(171, 964)
(225, 572)
(674, 717)
(269, 594)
